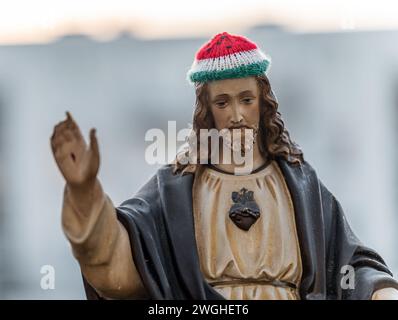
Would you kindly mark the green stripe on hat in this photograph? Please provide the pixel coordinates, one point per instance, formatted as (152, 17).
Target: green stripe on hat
(242, 71)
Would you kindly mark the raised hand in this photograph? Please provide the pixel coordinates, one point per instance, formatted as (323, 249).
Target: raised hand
(77, 162)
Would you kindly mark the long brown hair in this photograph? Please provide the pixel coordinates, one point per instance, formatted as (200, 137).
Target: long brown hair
(274, 139)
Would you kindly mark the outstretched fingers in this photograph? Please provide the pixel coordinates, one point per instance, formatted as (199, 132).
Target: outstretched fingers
(66, 130)
(76, 160)
(72, 125)
(70, 120)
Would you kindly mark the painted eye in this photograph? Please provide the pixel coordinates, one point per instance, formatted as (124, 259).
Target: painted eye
(248, 100)
(221, 104)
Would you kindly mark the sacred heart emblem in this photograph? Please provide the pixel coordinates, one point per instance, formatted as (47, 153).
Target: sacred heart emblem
(245, 211)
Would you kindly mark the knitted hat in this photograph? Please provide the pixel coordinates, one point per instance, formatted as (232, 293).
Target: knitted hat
(227, 56)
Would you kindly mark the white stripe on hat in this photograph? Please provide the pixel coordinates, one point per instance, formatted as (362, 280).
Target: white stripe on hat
(230, 61)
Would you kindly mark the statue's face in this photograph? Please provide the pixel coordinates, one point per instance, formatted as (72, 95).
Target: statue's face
(235, 103)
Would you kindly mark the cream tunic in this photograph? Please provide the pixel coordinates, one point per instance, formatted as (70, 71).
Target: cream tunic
(240, 264)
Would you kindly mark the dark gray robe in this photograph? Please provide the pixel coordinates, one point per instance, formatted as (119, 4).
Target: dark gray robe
(159, 221)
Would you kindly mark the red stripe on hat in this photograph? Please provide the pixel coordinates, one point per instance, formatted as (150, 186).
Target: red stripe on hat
(223, 44)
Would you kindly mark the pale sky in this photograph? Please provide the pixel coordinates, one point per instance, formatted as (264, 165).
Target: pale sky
(38, 21)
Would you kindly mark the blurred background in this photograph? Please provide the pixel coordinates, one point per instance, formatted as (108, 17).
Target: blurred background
(120, 66)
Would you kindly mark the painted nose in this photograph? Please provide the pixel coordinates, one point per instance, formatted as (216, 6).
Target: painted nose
(236, 116)
(236, 122)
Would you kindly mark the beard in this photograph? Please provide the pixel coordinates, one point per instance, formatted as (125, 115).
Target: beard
(241, 139)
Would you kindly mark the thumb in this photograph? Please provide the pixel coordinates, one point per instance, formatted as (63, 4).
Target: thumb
(94, 142)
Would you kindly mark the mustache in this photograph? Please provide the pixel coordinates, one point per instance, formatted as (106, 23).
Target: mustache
(243, 126)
